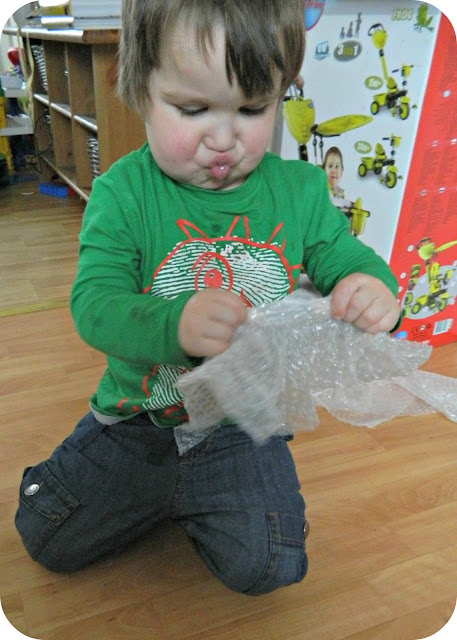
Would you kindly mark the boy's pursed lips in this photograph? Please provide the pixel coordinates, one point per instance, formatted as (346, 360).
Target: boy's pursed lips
(220, 166)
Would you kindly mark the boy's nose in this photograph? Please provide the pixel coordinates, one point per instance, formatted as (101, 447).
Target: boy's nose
(220, 138)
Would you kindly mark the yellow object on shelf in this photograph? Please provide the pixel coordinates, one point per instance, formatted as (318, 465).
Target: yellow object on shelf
(2, 108)
(6, 150)
(56, 14)
(55, 7)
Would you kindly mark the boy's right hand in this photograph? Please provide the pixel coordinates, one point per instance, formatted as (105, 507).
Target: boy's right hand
(208, 322)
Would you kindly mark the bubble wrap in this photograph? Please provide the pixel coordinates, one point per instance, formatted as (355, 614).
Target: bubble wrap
(291, 356)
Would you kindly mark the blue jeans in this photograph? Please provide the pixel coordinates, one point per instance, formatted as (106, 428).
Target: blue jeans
(105, 486)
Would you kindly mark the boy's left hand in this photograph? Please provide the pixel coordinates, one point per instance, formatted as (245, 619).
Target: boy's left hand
(366, 302)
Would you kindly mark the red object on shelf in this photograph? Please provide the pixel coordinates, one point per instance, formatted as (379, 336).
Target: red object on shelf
(13, 56)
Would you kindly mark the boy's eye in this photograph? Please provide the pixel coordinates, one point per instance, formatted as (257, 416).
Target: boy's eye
(191, 111)
(252, 111)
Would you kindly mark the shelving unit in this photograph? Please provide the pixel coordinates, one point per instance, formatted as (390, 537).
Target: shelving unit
(74, 100)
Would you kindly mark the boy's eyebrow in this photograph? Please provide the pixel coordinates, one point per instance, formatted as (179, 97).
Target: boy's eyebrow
(184, 95)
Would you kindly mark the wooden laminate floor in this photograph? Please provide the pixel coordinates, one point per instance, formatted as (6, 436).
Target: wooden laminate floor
(38, 247)
(382, 503)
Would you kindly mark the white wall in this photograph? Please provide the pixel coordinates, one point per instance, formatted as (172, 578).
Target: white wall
(6, 10)
(5, 43)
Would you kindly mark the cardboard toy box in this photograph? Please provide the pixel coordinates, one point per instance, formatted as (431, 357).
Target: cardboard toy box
(380, 98)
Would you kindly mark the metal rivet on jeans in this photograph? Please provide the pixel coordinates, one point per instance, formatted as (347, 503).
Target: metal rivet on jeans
(31, 489)
(306, 530)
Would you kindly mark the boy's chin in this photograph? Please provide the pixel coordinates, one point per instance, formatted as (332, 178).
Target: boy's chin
(226, 184)
(231, 181)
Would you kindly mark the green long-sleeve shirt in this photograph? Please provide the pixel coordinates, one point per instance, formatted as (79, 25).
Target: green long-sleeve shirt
(148, 244)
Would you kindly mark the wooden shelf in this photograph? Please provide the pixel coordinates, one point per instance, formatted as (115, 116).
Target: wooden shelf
(74, 98)
(68, 175)
(78, 36)
(90, 122)
(41, 97)
(63, 109)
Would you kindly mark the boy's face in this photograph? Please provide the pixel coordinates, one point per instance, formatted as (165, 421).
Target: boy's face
(333, 168)
(201, 130)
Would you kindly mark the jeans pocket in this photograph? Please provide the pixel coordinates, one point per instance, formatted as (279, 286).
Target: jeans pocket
(44, 504)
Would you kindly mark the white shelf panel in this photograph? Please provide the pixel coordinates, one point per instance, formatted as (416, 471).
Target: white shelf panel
(17, 93)
(17, 126)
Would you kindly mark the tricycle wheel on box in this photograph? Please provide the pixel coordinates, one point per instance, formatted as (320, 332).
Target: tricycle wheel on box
(391, 179)
(404, 110)
(362, 170)
(374, 108)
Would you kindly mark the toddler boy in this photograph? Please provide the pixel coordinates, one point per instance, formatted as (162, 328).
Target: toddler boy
(178, 239)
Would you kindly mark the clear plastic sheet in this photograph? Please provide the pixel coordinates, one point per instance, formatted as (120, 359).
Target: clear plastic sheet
(291, 356)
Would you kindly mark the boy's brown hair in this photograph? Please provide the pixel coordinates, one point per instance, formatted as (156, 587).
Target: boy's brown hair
(263, 37)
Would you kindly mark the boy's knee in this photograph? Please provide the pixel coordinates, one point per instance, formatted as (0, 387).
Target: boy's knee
(293, 571)
(284, 566)
(60, 563)
(285, 561)
(257, 565)
(260, 575)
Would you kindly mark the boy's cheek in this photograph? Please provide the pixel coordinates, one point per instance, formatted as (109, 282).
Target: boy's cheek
(178, 145)
(170, 139)
(258, 139)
